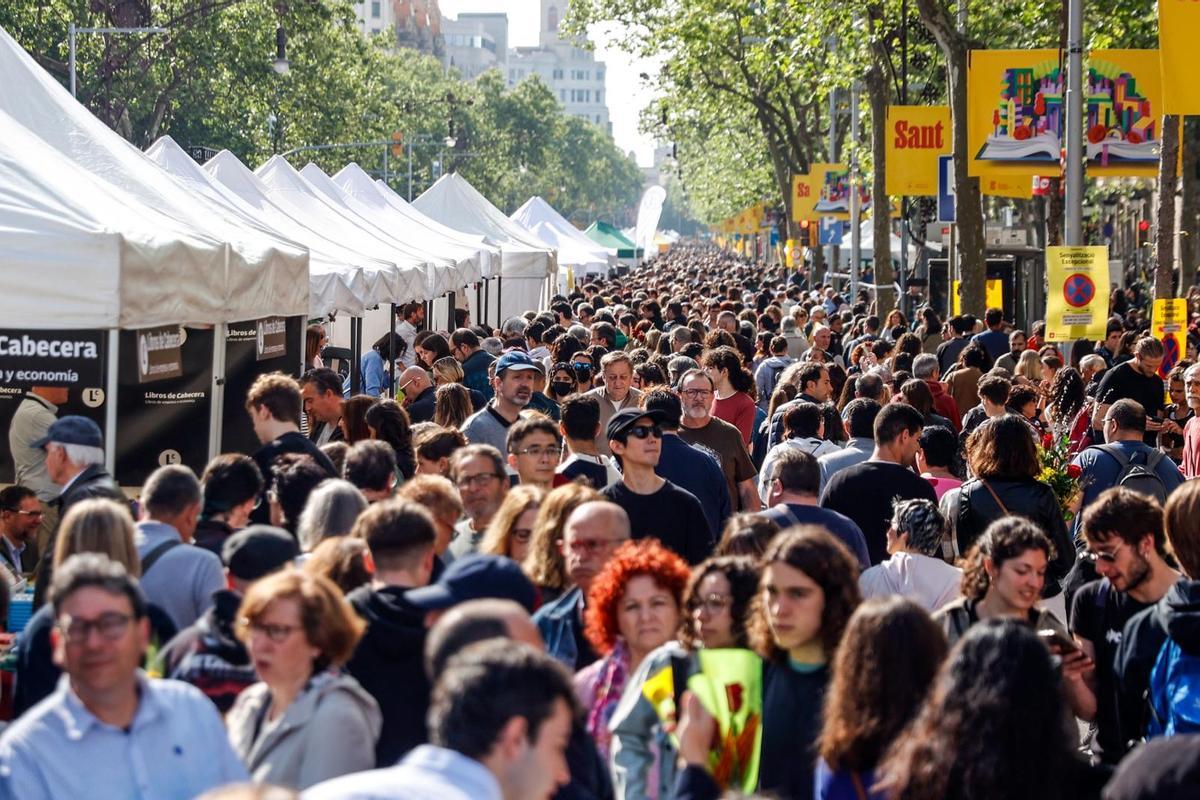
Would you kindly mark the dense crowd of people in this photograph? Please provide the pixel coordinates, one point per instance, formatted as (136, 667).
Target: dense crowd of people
(697, 529)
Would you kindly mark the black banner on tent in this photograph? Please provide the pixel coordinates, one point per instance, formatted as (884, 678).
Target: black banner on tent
(271, 339)
(243, 364)
(158, 353)
(164, 422)
(70, 363)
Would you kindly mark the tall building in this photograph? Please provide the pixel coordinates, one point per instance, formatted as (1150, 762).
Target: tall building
(417, 23)
(477, 42)
(374, 16)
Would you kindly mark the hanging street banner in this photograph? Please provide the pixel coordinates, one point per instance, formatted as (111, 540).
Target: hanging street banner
(994, 293)
(1077, 305)
(1168, 324)
(916, 137)
(806, 190)
(1016, 121)
(994, 184)
(1178, 33)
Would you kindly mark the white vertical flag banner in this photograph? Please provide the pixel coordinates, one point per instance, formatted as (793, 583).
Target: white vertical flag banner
(649, 212)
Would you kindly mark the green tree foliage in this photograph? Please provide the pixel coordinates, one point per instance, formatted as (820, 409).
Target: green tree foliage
(209, 82)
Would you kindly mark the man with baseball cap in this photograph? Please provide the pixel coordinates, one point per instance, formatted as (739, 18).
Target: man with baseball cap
(513, 385)
(656, 507)
(472, 578)
(74, 449)
(207, 654)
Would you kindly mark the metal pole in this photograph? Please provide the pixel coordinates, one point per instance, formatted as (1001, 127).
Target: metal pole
(1073, 211)
(830, 266)
(217, 403)
(385, 163)
(392, 346)
(110, 400)
(71, 57)
(450, 303)
(904, 304)
(855, 202)
(355, 355)
(410, 171)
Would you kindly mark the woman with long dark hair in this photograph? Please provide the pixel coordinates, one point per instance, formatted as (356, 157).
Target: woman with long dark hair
(734, 392)
(1002, 455)
(388, 422)
(995, 727)
(887, 660)
(429, 346)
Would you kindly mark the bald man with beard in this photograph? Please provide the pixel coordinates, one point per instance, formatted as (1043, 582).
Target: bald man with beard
(419, 394)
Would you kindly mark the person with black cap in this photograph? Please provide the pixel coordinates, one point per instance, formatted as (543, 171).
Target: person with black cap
(656, 507)
(513, 384)
(475, 577)
(207, 654)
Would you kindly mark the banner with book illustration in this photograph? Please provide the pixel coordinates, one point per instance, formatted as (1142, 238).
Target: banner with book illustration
(1016, 119)
(807, 190)
(1077, 303)
(1178, 32)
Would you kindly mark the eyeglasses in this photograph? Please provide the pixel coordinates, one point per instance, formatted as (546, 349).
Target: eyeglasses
(642, 431)
(276, 633)
(592, 546)
(476, 481)
(712, 603)
(38, 513)
(539, 452)
(1107, 558)
(110, 626)
(694, 393)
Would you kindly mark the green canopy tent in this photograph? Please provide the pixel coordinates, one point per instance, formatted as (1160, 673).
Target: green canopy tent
(611, 239)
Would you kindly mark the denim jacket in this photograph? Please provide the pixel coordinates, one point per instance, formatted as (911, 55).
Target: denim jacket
(557, 622)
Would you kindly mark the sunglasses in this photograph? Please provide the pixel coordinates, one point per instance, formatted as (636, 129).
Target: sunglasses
(643, 431)
(1107, 558)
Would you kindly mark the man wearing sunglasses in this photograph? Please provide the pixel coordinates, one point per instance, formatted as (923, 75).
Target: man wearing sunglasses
(656, 507)
(1123, 532)
(107, 730)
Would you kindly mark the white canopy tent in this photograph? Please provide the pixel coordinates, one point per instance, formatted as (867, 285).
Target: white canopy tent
(574, 248)
(334, 283)
(527, 263)
(261, 275)
(441, 272)
(867, 245)
(284, 184)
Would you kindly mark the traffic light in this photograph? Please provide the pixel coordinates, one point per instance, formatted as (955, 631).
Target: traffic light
(397, 144)
(1143, 234)
(805, 233)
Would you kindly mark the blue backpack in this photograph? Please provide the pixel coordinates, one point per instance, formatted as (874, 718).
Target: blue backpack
(1174, 693)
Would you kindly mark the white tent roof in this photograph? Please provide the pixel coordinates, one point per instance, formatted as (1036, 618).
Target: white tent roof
(453, 201)
(405, 284)
(468, 253)
(441, 272)
(574, 247)
(334, 285)
(261, 275)
(489, 261)
(77, 252)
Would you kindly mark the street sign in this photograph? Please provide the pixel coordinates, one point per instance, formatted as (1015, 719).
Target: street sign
(832, 231)
(945, 195)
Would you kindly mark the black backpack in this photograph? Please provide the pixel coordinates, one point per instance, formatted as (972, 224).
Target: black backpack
(1140, 476)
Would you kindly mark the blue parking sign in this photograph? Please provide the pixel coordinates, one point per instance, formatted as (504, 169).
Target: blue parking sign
(945, 189)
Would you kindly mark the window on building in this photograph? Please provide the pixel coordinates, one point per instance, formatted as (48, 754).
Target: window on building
(512, 74)
(599, 96)
(599, 75)
(558, 73)
(587, 95)
(562, 95)
(597, 119)
(375, 9)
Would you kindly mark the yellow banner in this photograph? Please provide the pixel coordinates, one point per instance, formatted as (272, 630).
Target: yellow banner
(1178, 34)
(1169, 325)
(994, 291)
(1014, 104)
(994, 184)
(1123, 103)
(806, 191)
(916, 136)
(1077, 305)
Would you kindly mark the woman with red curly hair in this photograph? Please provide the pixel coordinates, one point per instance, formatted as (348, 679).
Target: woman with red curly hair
(634, 605)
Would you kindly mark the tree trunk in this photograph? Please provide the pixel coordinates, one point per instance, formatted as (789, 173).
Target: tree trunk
(1054, 213)
(1189, 202)
(1164, 234)
(877, 95)
(968, 208)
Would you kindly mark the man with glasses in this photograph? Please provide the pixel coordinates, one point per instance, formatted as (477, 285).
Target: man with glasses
(534, 450)
(107, 729)
(700, 428)
(513, 389)
(420, 395)
(464, 346)
(591, 534)
(478, 472)
(20, 516)
(656, 507)
(1123, 532)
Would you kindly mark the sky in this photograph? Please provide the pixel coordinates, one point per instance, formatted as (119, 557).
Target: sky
(626, 93)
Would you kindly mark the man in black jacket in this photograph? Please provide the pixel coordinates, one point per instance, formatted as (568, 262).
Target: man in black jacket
(75, 461)
(388, 660)
(420, 395)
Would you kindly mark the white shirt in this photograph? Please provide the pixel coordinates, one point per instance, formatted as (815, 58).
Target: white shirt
(426, 773)
(408, 333)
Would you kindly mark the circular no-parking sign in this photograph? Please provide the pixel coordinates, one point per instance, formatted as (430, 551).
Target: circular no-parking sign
(1078, 290)
(1170, 354)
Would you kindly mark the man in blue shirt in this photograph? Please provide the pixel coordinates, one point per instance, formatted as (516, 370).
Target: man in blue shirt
(994, 340)
(688, 466)
(108, 730)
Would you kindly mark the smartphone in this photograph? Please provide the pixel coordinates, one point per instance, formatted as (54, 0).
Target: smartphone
(681, 669)
(1056, 639)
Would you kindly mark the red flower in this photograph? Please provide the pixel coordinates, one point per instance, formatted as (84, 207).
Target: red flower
(1074, 471)
(1047, 441)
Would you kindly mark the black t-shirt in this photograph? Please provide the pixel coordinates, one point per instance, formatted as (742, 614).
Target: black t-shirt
(672, 515)
(1123, 382)
(865, 493)
(1099, 613)
(792, 703)
(290, 442)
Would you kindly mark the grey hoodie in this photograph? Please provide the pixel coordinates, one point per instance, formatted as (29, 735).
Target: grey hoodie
(329, 730)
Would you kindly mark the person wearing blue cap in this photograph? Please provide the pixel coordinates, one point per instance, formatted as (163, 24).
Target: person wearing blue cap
(513, 384)
(475, 577)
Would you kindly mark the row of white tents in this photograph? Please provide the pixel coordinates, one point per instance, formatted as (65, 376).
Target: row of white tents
(95, 234)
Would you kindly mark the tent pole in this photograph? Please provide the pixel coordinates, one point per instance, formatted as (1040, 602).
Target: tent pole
(110, 401)
(478, 294)
(216, 411)
(487, 301)
(450, 298)
(499, 301)
(392, 347)
(355, 355)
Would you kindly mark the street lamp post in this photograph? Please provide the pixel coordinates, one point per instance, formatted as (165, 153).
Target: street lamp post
(73, 32)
